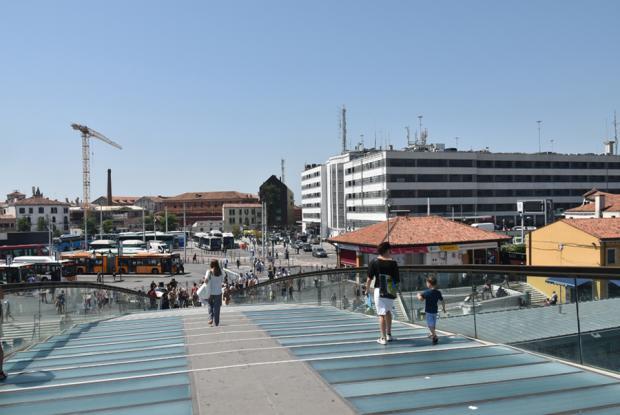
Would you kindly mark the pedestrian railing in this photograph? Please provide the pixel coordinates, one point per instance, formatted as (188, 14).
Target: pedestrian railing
(32, 312)
(494, 303)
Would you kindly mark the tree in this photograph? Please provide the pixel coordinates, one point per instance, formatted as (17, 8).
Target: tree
(160, 221)
(173, 222)
(236, 231)
(23, 225)
(91, 225)
(108, 226)
(41, 224)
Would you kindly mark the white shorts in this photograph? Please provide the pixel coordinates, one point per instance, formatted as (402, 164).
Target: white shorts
(383, 305)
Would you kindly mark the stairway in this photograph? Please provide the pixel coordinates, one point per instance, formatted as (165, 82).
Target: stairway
(537, 297)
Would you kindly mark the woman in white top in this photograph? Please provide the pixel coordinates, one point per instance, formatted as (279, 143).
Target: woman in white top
(214, 279)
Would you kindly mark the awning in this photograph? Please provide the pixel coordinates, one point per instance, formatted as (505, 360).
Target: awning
(615, 282)
(567, 282)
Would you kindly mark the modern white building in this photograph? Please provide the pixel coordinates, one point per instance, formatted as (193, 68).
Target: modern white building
(36, 207)
(460, 184)
(313, 198)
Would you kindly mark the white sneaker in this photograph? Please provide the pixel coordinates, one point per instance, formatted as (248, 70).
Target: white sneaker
(382, 341)
(390, 338)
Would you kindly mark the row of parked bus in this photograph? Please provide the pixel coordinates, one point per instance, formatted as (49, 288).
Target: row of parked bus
(36, 268)
(214, 240)
(142, 262)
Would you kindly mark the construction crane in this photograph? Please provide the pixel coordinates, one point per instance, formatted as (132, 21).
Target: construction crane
(87, 133)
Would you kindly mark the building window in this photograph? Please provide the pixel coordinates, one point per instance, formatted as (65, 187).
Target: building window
(231, 212)
(611, 256)
(41, 210)
(54, 219)
(231, 221)
(22, 210)
(30, 211)
(65, 210)
(54, 210)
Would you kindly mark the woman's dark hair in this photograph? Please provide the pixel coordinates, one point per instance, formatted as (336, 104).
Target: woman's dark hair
(215, 266)
(383, 248)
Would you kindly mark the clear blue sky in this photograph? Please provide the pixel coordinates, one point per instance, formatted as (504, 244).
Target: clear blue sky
(209, 95)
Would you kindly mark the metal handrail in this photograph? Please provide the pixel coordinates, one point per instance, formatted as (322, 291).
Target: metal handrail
(27, 286)
(600, 273)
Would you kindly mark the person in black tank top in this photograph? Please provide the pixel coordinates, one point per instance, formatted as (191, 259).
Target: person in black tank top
(384, 272)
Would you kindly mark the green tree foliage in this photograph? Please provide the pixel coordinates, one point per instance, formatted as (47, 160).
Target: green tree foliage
(236, 231)
(160, 221)
(23, 225)
(92, 225)
(108, 226)
(41, 224)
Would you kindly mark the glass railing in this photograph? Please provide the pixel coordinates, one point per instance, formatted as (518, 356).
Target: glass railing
(33, 312)
(511, 305)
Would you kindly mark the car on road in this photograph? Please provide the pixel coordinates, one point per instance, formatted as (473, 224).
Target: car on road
(319, 252)
(307, 247)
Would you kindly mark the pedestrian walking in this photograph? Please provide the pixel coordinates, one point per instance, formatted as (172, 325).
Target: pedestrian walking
(214, 278)
(383, 274)
(431, 296)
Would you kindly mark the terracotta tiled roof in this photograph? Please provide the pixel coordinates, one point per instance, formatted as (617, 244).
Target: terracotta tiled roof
(421, 230)
(601, 228)
(230, 195)
(39, 201)
(241, 205)
(612, 202)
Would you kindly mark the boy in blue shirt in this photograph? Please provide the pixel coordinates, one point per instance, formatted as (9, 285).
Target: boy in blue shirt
(432, 296)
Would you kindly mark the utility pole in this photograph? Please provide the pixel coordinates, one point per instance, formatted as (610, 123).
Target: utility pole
(166, 213)
(539, 143)
(143, 227)
(100, 222)
(184, 235)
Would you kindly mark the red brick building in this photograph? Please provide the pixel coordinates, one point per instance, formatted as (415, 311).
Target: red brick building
(205, 206)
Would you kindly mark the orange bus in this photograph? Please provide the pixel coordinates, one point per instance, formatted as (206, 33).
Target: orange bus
(138, 263)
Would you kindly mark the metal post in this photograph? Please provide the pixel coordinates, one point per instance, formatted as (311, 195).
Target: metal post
(474, 291)
(85, 228)
(578, 321)
(166, 213)
(100, 222)
(143, 227)
(184, 234)
(522, 227)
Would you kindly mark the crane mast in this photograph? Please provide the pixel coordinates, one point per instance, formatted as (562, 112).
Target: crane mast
(87, 133)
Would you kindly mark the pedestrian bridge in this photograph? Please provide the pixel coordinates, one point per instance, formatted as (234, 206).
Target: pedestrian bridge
(291, 356)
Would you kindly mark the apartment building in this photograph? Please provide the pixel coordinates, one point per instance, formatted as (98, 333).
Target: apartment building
(246, 216)
(459, 184)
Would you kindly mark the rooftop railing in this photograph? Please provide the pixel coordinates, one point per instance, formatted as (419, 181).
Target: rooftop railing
(494, 303)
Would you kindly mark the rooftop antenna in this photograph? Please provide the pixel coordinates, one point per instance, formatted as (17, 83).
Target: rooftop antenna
(420, 131)
(408, 135)
(282, 168)
(375, 147)
(615, 132)
(552, 140)
(456, 139)
(539, 147)
(343, 128)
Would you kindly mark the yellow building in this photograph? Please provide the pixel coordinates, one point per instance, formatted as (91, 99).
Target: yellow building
(574, 242)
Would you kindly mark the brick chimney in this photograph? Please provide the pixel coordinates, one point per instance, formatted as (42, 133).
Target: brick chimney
(109, 187)
(599, 205)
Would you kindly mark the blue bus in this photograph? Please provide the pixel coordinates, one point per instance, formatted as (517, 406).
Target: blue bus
(68, 242)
